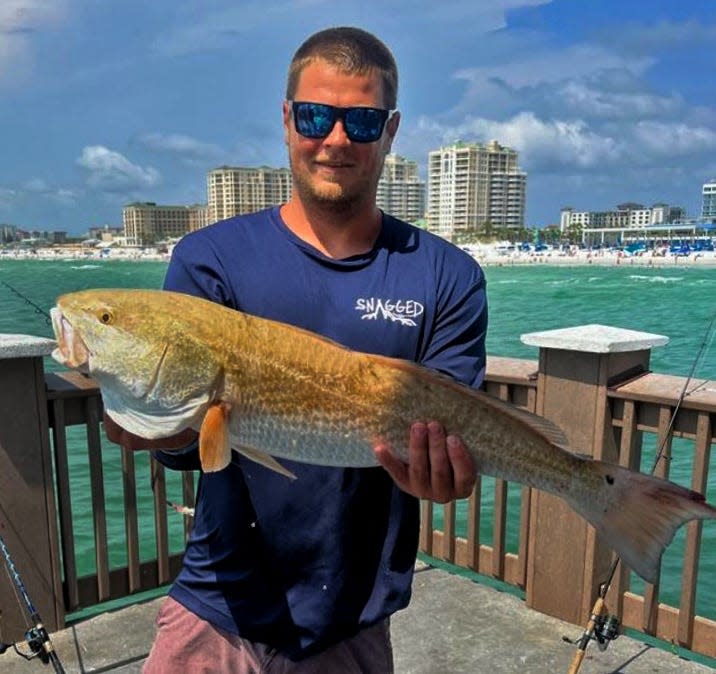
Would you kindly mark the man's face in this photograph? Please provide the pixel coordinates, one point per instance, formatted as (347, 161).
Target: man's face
(334, 171)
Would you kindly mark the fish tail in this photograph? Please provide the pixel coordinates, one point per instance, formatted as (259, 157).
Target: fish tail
(639, 514)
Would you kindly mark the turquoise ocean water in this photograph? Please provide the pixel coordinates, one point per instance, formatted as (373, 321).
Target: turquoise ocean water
(676, 302)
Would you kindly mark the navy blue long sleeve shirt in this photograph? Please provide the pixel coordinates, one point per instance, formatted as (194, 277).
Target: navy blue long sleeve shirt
(303, 564)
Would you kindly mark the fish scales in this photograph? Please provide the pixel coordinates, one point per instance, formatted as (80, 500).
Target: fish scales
(326, 393)
(166, 362)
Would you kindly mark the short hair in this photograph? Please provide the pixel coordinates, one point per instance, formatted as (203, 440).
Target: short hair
(351, 50)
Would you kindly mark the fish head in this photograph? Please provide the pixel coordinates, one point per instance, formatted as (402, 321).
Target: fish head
(157, 377)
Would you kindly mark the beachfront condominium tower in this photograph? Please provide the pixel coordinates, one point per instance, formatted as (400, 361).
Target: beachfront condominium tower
(235, 190)
(401, 191)
(147, 223)
(474, 188)
(708, 208)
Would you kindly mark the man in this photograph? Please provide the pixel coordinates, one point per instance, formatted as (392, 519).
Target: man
(302, 576)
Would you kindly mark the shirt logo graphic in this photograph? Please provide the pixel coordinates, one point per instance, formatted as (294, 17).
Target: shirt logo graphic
(398, 311)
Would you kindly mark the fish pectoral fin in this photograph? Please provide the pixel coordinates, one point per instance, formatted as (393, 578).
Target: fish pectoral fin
(214, 446)
(265, 460)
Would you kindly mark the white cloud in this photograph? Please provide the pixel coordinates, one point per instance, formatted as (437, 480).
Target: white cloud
(183, 146)
(577, 82)
(7, 197)
(20, 21)
(674, 139)
(541, 144)
(485, 16)
(36, 185)
(202, 28)
(112, 172)
(552, 66)
(588, 99)
(39, 187)
(663, 35)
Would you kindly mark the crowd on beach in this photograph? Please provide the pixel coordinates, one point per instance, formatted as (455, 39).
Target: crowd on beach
(505, 255)
(487, 254)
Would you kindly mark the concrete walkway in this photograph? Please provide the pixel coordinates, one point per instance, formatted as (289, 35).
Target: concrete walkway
(452, 626)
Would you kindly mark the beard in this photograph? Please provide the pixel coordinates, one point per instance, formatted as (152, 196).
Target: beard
(330, 196)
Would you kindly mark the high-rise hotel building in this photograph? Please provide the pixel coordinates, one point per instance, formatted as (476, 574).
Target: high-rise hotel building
(147, 223)
(236, 190)
(708, 207)
(471, 185)
(401, 191)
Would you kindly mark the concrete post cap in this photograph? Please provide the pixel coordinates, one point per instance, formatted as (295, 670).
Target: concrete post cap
(594, 339)
(25, 346)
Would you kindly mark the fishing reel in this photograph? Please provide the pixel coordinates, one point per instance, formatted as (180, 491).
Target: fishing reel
(36, 638)
(604, 628)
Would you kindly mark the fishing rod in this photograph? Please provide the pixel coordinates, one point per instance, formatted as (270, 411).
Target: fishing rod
(36, 637)
(602, 626)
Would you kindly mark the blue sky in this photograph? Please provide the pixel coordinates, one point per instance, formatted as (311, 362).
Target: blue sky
(104, 102)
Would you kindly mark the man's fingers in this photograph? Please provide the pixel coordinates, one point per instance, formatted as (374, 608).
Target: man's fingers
(463, 467)
(441, 474)
(418, 459)
(438, 466)
(395, 467)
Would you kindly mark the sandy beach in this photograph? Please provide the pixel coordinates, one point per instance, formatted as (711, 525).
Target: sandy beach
(485, 254)
(495, 255)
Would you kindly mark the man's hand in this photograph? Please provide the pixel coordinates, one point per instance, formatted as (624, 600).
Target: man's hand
(439, 467)
(128, 440)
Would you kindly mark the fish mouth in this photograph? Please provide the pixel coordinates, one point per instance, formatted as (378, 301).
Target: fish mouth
(71, 349)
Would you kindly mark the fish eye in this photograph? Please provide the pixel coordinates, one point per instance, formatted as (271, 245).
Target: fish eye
(106, 317)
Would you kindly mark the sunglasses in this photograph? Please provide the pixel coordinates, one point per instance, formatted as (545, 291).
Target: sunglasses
(316, 120)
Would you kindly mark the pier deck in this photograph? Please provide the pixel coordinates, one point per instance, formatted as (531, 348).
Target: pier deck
(453, 626)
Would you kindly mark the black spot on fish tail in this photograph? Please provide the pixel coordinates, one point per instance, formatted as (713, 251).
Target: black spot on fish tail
(638, 514)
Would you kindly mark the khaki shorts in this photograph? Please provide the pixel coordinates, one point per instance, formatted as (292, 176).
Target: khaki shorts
(186, 643)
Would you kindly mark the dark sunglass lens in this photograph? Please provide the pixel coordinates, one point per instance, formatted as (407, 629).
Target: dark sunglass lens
(313, 120)
(364, 125)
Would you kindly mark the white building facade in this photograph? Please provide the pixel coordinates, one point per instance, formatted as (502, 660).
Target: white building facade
(233, 190)
(401, 191)
(147, 223)
(627, 215)
(473, 186)
(708, 206)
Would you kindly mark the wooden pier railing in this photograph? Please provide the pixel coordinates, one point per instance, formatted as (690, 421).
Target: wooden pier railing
(593, 382)
(75, 400)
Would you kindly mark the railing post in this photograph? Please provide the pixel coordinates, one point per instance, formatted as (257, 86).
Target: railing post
(567, 561)
(27, 503)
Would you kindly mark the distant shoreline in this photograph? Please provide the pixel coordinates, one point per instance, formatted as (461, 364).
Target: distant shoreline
(583, 258)
(487, 256)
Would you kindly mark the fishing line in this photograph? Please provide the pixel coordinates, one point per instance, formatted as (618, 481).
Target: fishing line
(38, 309)
(602, 626)
(699, 355)
(184, 510)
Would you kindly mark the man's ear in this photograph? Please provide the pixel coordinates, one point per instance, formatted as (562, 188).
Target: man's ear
(391, 129)
(393, 124)
(286, 112)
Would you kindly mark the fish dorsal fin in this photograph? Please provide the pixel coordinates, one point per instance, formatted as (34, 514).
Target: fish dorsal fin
(548, 429)
(544, 427)
(264, 459)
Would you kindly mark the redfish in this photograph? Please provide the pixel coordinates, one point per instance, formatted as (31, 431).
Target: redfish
(167, 361)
